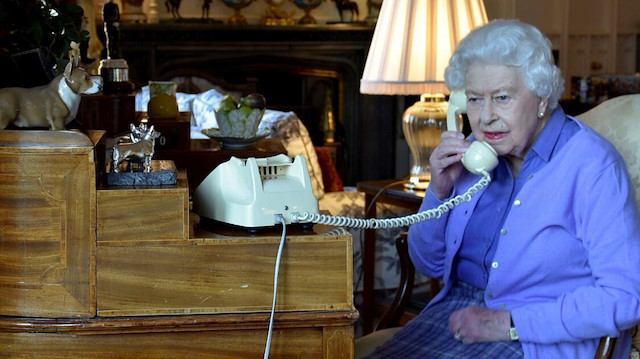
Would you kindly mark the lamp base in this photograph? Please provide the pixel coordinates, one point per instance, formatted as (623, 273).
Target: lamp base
(422, 125)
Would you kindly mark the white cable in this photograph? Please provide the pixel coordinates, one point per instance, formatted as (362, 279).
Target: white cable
(376, 223)
(278, 218)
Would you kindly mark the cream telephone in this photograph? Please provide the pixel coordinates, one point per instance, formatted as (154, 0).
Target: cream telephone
(250, 192)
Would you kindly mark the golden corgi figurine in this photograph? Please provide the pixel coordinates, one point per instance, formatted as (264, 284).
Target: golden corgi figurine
(53, 105)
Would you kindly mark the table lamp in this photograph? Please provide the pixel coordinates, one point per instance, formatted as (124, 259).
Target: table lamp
(411, 46)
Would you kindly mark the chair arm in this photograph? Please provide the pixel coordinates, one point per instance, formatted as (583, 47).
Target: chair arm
(392, 316)
(605, 348)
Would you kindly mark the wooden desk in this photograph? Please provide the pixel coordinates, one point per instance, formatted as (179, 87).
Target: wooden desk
(205, 297)
(93, 272)
(393, 193)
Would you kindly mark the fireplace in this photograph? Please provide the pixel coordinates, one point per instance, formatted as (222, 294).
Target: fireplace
(311, 70)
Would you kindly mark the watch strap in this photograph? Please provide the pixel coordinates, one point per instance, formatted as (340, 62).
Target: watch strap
(513, 333)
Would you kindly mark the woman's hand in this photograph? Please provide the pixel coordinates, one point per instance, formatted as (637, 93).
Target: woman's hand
(477, 324)
(445, 162)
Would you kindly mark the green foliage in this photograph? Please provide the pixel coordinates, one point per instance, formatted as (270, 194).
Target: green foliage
(50, 25)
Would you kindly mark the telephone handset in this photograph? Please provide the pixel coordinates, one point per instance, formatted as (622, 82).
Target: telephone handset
(480, 156)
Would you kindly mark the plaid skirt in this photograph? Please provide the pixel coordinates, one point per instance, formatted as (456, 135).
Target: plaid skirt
(428, 335)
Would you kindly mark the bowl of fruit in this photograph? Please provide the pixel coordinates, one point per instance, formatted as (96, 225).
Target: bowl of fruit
(238, 121)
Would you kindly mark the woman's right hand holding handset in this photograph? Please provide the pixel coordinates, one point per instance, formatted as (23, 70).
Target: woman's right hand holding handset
(446, 165)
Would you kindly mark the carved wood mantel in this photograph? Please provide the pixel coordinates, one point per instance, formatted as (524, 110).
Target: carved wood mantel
(294, 67)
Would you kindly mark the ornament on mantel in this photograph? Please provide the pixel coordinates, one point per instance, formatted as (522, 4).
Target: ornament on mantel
(237, 18)
(373, 7)
(350, 6)
(206, 5)
(307, 6)
(276, 16)
(173, 6)
(132, 11)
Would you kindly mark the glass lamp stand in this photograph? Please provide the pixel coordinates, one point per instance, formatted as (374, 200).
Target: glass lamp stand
(422, 125)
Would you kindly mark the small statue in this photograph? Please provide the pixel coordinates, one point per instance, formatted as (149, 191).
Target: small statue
(347, 5)
(206, 4)
(374, 10)
(139, 151)
(111, 18)
(173, 6)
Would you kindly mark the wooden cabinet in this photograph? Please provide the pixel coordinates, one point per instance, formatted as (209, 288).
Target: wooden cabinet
(47, 226)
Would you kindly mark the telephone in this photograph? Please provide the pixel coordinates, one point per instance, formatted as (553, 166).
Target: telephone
(250, 192)
(480, 155)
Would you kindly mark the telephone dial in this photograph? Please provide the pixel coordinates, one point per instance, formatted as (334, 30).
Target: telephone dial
(249, 193)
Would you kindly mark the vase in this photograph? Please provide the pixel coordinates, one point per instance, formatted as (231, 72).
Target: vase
(307, 6)
(237, 18)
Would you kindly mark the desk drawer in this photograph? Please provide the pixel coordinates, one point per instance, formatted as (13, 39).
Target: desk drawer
(223, 274)
(139, 214)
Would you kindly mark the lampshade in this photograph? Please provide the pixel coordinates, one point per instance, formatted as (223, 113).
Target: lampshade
(410, 49)
(412, 43)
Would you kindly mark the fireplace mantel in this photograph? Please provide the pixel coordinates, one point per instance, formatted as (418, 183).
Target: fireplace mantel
(289, 65)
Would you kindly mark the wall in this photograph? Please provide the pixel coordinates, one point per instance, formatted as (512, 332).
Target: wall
(592, 37)
(327, 12)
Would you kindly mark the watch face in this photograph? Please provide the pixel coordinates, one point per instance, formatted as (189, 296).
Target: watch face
(513, 333)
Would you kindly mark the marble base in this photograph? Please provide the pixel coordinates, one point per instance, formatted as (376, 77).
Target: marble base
(162, 173)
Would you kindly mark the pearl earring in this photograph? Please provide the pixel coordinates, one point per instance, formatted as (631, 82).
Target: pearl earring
(541, 114)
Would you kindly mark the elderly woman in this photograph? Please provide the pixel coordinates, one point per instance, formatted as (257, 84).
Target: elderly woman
(545, 260)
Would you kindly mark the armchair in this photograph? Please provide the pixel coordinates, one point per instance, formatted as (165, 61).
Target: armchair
(618, 120)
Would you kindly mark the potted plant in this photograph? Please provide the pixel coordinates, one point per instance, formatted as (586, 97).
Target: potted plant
(35, 39)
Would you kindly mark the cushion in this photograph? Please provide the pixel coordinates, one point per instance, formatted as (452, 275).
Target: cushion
(330, 177)
(618, 120)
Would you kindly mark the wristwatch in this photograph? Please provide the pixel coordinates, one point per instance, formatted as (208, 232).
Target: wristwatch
(513, 333)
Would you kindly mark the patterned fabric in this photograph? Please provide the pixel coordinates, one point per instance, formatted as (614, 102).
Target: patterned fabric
(350, 203)
(428, 335)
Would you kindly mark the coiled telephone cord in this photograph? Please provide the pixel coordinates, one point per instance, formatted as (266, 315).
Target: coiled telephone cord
(377, 223)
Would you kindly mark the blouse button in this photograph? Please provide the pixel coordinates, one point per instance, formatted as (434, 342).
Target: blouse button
(503, 231)
(494, 265)
(516, 202)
